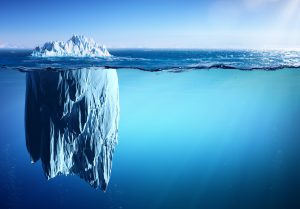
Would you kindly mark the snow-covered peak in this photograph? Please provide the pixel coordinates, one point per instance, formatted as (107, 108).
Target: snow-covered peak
(76, 46)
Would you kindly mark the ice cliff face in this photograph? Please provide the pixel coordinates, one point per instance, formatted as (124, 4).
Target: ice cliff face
(72, 122)
(76, 46)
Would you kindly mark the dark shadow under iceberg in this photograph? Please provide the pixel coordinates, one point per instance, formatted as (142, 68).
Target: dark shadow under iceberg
(72, 122)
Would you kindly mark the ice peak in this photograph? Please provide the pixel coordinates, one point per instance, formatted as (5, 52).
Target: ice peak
(76, 46)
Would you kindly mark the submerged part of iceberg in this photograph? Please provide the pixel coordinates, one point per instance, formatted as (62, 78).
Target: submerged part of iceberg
(72, 122)
(76, 46)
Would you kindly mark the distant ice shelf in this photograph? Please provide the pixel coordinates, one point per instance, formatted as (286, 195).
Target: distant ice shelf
(76, 46)
(71, 121)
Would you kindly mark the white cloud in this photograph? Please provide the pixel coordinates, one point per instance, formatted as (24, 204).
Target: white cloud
(256, 4)
(9, 46)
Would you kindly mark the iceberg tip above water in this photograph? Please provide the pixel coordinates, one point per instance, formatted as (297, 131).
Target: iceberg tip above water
(76, 46)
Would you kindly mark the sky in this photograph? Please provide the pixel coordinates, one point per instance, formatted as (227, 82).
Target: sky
(153, 23)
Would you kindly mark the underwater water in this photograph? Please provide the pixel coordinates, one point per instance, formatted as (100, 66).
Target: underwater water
(197, 129)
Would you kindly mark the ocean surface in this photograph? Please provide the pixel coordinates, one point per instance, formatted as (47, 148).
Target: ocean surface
(209, 129)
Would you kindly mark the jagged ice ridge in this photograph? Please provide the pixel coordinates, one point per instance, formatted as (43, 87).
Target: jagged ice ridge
(76, 46)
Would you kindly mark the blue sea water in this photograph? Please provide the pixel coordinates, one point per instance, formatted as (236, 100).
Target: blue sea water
(198, 129)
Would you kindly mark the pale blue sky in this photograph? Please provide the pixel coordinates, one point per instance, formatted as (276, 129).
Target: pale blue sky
(154, 23)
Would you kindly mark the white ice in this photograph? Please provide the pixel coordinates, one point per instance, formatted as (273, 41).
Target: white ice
(76, 46)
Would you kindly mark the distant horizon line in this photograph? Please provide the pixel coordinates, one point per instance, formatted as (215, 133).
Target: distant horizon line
(180, 48)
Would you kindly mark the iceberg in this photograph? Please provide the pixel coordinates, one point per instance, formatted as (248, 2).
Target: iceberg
(76, 46)
(71, 122)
